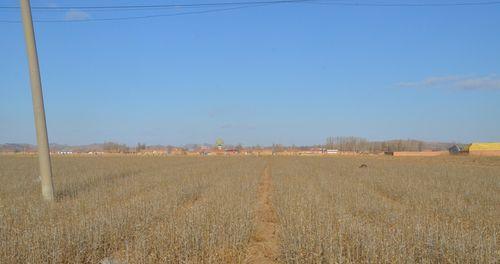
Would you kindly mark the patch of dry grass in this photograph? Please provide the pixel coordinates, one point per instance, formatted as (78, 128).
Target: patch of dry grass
(131, 209)
(406, 210)
(203, 210)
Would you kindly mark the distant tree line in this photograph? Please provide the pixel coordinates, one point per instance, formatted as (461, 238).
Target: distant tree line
(140, 147)
(357, 144)
(112, 147)
(352, 144)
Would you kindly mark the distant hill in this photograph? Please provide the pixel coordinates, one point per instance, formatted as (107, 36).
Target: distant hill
(16, 147)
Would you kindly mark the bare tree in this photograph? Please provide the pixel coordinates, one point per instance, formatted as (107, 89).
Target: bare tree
(140, 147)
(112, 147)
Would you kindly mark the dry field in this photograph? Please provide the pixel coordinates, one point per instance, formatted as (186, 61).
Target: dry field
(395, 210)
(132, 209)
(252, 210)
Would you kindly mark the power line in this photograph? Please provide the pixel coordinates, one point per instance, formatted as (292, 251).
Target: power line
(158, 6)
(339, 3)
(234, 6)
(382, 4)
(140, 17)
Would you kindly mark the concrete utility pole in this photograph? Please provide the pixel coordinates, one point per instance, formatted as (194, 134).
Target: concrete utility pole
(38, 108)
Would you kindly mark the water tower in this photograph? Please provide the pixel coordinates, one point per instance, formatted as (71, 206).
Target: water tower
(219, 144)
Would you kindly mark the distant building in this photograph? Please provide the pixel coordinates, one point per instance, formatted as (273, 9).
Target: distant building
(203, 150)
(331, 151)
(231, 151)
(312, 152)
(459, 149)
(176, 151)
(485, 149)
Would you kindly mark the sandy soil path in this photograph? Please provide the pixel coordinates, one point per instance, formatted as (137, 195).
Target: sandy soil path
(264, 242)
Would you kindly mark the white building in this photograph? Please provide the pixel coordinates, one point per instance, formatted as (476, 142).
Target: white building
(332, 151)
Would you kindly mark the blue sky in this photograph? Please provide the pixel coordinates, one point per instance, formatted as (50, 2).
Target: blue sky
(290, 74)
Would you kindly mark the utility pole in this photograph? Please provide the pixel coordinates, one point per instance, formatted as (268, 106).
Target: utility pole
(38, 108)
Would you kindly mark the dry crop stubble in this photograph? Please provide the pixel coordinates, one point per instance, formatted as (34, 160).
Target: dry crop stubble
(206, 210)
(403, 210)
(134, 209)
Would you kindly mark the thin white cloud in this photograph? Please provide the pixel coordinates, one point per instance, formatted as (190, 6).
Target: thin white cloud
(76, 14)
(488, 82)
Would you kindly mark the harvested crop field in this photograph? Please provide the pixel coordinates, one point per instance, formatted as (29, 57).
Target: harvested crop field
(129, 209)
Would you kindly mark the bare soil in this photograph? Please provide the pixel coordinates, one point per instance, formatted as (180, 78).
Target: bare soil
(264, 242)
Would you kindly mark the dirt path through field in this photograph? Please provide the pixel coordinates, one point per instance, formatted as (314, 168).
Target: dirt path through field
(264, 243)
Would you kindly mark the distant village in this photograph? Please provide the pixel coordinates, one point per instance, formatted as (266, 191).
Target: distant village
(332, 146)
